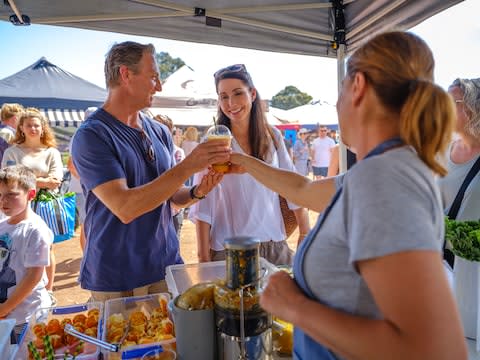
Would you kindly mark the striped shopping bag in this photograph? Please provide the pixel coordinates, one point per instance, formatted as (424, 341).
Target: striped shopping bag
(58, 211)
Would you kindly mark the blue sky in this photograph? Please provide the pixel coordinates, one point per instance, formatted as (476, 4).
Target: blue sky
(453, 35)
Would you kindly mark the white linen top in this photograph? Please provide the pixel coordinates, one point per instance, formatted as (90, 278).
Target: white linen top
(240, 205)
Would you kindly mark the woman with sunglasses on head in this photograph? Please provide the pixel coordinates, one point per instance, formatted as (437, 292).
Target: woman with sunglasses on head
(239, 205)
(462, 155)
(369, 282)
(35, 147)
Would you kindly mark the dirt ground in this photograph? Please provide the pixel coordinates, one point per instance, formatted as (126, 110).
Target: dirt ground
(69, 255)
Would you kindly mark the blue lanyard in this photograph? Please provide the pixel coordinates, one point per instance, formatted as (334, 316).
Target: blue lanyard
(298, 266)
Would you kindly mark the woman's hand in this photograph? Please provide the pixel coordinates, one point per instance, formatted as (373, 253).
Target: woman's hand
(236, 166)
(208, 182)
(282, 296)
(48, 183)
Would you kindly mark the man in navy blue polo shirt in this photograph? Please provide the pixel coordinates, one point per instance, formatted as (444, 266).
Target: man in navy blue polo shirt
(128, 174)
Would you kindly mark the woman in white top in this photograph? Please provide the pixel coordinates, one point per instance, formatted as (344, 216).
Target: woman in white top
(35, 147)
(239, 205)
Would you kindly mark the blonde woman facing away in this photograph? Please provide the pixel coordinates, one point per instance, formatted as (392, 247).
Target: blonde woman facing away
(369, 282)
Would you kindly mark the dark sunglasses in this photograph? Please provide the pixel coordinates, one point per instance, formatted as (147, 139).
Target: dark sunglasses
(237, 68)
(148, 147)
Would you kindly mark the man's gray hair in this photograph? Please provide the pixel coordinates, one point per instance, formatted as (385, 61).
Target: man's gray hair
(128, 53)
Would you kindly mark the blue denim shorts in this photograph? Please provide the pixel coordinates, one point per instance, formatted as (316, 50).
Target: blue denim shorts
(320, 171)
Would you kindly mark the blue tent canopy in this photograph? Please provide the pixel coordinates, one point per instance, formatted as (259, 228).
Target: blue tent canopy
(60, 95)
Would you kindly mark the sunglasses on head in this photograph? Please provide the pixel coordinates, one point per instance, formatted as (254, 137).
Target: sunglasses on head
(237, 68)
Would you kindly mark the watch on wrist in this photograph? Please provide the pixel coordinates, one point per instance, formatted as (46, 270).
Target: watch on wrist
(192, 193)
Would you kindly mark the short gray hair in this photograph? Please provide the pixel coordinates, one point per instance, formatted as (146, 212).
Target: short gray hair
(471, 98)
(128, 53)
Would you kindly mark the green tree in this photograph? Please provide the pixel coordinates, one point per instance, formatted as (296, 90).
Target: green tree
(167, 64)
(289, 98)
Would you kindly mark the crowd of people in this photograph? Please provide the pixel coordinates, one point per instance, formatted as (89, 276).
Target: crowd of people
(369, 280)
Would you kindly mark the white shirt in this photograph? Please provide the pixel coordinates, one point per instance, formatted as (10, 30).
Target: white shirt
(24, 245)
(240, 205)
(74, 185)
(322, 151)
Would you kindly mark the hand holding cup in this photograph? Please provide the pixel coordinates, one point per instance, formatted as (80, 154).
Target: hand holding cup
(220, 133)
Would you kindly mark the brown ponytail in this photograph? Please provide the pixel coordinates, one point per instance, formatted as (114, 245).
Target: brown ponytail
(399, 66)
(427, 120)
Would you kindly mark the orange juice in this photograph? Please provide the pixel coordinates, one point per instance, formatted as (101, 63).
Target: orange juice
(222, 167)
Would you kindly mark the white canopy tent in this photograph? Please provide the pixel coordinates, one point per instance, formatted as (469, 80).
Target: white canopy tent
(198, 117)
(186, 89)
(314, 113)
(294, 26)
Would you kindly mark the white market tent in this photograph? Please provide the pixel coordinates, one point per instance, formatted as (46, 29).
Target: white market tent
(185, 89)
(190, 99)
(198, 117)
(313, 113)
(329, 28)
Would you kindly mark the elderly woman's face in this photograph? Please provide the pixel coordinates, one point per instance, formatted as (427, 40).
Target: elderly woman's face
(32, 127)
(462, 112)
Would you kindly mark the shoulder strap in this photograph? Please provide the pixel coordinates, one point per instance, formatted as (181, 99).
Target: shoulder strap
(453, 212)
(448, 256)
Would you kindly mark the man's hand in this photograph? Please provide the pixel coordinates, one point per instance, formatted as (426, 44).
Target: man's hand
(208, 182)
(207, 153)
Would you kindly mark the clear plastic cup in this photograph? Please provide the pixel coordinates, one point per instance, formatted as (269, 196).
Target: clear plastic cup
(220, 132)
(159, 354)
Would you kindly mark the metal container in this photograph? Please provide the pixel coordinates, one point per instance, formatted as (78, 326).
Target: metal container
(195, 332)
(258, 347)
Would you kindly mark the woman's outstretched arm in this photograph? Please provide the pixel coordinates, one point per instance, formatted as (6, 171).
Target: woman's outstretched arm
(314, 195)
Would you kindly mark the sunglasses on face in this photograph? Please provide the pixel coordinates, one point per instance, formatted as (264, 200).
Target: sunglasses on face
(237, 68)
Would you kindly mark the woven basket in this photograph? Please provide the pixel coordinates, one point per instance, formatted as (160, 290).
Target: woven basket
(288, 216)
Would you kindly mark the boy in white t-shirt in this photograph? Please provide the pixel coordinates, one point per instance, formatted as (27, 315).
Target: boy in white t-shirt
(25, 242)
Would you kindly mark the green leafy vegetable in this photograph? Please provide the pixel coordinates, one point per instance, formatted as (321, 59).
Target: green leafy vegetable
(46, 195)
(464, 237)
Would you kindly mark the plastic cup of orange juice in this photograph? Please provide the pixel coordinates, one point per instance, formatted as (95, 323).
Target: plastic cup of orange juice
(220, 132)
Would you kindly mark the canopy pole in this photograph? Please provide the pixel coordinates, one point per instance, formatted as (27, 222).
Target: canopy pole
(339, 44)
(340, 75)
